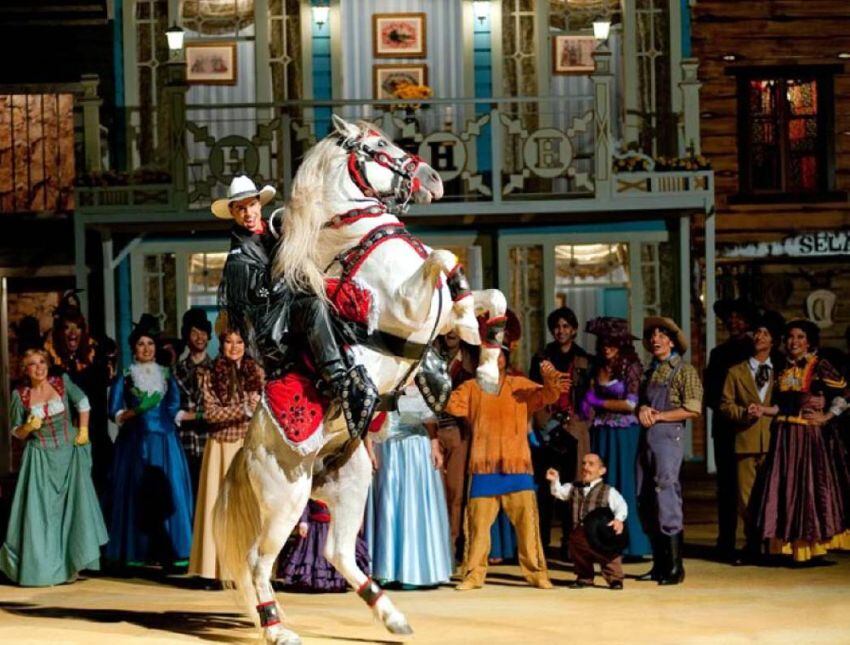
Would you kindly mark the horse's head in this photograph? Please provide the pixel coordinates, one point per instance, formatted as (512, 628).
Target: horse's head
(382, 170)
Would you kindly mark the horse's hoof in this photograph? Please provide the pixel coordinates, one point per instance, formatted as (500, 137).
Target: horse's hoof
(287, 637)
(402, 629)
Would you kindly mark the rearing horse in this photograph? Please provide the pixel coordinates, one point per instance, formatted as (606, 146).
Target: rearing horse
(340, 236)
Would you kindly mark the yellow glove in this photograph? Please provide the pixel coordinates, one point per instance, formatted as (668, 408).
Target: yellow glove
(32, 424)
(82, 436)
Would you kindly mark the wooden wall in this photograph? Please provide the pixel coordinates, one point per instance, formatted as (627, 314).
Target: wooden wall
(768, 32)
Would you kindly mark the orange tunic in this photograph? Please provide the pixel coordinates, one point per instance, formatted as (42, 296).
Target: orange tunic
(499, 422)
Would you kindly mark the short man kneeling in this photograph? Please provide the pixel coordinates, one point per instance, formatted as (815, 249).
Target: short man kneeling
(594, 540)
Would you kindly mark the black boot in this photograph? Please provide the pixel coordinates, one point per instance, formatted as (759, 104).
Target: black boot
(660, 560)
(350, 388)
(354, 393)
(676, 572)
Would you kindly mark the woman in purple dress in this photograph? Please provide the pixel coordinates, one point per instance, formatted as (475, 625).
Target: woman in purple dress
(802, 506)
(611, 400)
(302, 565)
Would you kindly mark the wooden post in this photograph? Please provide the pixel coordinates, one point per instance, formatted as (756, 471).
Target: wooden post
(603, 82)
(631, 80)
(690, 107)
(91, 103)
(174, 95)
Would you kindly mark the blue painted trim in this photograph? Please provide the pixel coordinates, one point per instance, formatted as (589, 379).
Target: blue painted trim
(322, 71)
(686, 29)
(118, 139)
(125, 312)
(482, 51)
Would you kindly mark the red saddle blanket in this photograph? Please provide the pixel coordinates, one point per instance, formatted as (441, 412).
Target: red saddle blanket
(296, 405)
(299, 409)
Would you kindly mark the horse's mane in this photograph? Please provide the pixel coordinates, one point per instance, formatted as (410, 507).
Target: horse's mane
(297, 261)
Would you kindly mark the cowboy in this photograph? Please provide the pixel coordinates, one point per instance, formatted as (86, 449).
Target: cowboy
(670, 394)
(273, 319)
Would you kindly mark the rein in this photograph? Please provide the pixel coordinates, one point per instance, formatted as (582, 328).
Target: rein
(403, 168)
(351, 260)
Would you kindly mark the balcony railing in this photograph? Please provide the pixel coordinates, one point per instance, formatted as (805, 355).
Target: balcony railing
(493, 154)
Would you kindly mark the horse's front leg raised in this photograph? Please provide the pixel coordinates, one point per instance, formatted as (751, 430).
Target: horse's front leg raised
(346, 495)
(491, 301)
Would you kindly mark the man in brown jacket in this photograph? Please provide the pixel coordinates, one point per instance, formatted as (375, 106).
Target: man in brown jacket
(747, 390)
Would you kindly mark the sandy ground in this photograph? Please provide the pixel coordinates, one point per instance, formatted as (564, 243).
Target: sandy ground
(718, 604)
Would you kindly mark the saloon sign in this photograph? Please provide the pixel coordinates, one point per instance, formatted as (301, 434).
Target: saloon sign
(805, 245)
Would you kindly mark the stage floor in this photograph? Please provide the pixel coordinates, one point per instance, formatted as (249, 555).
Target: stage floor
(718, 604)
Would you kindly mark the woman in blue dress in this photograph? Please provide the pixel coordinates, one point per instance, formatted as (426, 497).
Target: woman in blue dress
(152, 507)
(55, 526)
(614, 433)
(407, 521)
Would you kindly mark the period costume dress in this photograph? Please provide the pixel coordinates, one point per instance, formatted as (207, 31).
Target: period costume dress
(227, 410)
(55, 526)
(88, 368)
(615, 437)
(302, 565)
(806, 474)
(407, 524)
(152, 502)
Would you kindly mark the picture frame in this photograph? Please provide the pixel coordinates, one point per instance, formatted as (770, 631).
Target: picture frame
(211, 62)
(384, 76)
(399, 35)
(573, 54)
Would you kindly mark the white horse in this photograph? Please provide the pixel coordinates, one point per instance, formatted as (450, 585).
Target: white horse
(337, 225)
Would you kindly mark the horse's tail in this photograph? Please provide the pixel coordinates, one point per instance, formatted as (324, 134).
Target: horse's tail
(237, 524)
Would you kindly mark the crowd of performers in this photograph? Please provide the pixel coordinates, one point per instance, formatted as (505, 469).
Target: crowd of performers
(596, 441)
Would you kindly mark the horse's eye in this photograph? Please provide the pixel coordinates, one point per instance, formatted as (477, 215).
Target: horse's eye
(382, 144)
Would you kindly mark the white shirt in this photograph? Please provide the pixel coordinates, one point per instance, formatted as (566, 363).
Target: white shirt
(616, 502)
(754, 368)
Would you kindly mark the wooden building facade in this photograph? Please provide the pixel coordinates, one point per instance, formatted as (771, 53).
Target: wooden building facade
(775, 123)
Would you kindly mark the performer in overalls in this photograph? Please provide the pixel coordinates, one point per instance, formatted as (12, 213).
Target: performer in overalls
(671, 393)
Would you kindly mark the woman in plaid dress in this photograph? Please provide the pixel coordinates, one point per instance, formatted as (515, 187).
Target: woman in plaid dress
(231, 391)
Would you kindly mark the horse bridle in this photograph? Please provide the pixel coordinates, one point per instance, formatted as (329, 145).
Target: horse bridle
(404, 183)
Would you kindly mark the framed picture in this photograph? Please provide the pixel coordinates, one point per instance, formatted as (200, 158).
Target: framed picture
(572, 54)
(385, 78)
(211, 63)
(399, 35)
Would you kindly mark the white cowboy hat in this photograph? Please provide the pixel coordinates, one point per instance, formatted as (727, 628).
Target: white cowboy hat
(241, 188)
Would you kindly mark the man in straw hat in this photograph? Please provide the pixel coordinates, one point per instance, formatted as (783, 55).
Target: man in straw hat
(671, 393)
(270, 315)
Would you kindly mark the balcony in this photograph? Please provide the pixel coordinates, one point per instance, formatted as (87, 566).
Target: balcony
(495, 155)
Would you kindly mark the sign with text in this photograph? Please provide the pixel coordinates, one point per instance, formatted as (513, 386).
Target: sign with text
(805, 245)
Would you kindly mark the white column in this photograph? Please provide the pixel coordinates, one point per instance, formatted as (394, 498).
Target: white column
(631, 130)
(91, 103)
(108, 288)
(603, 83)
(685, 304)
(689, 87)
(710, 318)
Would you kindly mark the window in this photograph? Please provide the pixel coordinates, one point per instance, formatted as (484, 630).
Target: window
(785, 140)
